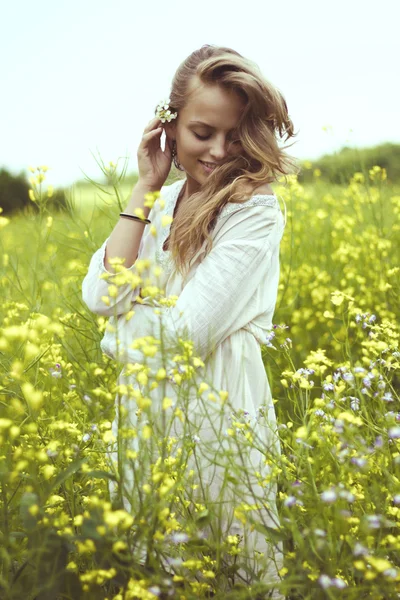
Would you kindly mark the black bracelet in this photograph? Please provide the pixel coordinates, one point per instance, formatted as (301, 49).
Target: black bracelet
(134, 217)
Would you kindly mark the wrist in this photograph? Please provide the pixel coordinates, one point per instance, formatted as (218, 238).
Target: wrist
(145, 187)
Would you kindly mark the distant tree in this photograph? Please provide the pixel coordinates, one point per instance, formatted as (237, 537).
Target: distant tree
(14, 195)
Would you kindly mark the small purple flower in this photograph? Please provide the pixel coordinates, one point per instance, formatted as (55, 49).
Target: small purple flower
(179, 537)
(329, 496)
(372, 319)
(360, 550)
(360, 462)
(154, 589)
(394, 432)
(325, 581)
(396, 499)
(319, 412)
(328, 387)
(320, 532)
(339, 583)
(56, 373)
(374, 521)
(387, 397)
(348, 376)
(339, 425)
(86, 437)
(355, 403)
(392, 573)
(290, 501)
(367, 381)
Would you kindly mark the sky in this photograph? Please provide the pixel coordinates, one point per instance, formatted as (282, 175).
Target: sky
(81, 78)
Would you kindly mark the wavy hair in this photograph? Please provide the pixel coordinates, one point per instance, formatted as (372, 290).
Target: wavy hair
(264, 119)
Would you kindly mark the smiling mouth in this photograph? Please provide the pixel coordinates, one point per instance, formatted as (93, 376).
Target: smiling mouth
(209, 165)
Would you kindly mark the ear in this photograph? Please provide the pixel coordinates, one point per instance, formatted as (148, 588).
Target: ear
(170, 129)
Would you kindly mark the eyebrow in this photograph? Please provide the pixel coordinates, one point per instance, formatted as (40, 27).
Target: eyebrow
(205, 124)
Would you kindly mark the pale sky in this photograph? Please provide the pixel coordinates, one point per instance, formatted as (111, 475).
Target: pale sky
(82, 77)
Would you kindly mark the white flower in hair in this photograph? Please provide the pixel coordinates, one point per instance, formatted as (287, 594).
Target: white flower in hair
(164, 113)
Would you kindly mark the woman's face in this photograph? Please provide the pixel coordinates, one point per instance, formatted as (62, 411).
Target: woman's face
(205, 131)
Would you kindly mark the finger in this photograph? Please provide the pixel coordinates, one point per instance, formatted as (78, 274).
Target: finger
(151, 124)
(152, 134)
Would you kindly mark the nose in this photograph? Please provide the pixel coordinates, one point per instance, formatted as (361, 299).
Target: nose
(219, 149)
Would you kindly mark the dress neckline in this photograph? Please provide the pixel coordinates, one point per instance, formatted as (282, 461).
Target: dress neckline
(171, 204)
(181, 182)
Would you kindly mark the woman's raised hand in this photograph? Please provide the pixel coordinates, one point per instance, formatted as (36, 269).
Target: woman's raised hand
(154, 163)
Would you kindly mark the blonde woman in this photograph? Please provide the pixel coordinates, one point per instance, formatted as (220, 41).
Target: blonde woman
(220, 257)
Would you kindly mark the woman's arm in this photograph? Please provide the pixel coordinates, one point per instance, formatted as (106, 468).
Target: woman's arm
(125, 238)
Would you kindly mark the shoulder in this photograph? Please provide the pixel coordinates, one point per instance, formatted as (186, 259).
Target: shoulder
(261, 197)
(265, 190)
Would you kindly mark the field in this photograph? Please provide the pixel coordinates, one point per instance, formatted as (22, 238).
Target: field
(333, 364)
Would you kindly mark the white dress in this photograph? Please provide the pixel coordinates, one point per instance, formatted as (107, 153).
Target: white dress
(225, 306)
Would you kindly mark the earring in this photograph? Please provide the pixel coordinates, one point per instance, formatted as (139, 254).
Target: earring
(175, 158)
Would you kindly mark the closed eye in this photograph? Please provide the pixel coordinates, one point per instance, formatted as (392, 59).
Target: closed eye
(200, 137)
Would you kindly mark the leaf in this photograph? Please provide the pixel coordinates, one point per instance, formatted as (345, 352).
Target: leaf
(203, 518)
(276, 535)
(70, 470)
(98, 474)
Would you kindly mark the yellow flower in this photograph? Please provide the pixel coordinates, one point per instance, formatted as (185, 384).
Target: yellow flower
(146, 433)
(167, 402)
(166, 220)
(223, 394)
(34, 398)
(301, 433)
(203, 387)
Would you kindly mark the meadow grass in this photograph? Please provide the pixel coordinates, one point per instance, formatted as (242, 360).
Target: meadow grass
(333, 365)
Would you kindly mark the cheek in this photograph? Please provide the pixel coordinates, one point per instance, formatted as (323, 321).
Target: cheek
(191, 146)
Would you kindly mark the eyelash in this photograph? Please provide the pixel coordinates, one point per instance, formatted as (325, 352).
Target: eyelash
(200, 137)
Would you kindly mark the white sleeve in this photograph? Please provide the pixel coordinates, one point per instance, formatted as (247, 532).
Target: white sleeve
(217, 300)
(93, 287)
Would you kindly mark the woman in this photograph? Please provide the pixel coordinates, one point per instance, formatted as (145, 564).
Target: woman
(220, 258)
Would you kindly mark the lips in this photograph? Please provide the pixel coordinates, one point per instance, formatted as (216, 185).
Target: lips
(206, 167)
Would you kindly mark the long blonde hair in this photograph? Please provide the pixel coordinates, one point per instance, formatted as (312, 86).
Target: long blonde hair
(264, 118)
